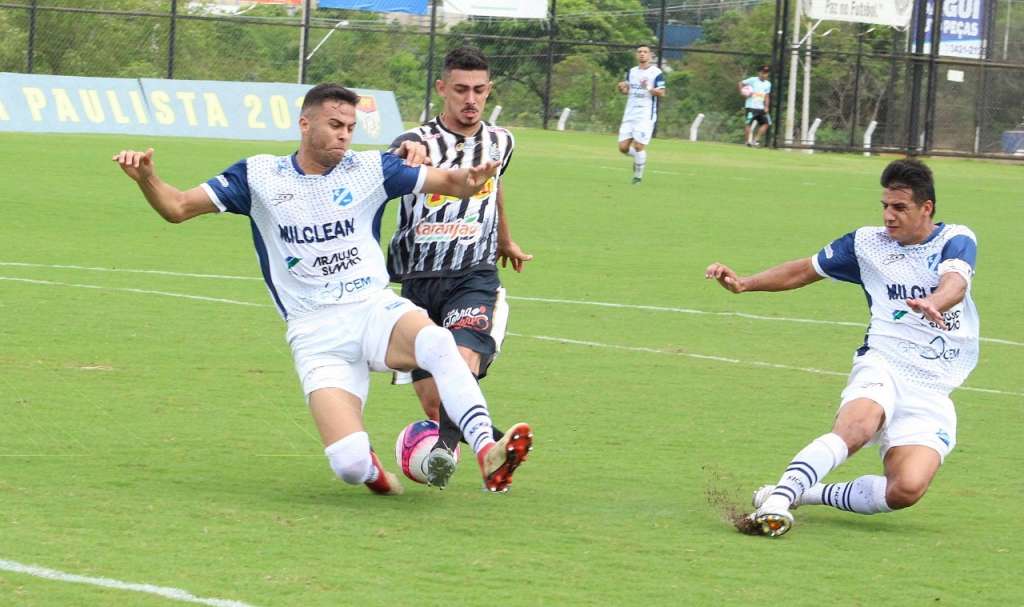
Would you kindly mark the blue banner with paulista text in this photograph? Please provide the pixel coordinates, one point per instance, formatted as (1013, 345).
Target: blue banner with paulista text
(178, 108)
(415, 7)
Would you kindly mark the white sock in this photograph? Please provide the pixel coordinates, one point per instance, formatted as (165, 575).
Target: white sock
(638, 165)
(437, 354)
(864, 495)
(350, 459)
(808, 467)
(631, 151)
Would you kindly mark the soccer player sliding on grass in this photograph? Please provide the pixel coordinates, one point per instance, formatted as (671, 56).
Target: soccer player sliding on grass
(315, 221)
(921, 343)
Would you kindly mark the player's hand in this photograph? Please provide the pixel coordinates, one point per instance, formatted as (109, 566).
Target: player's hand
(414, 153)
(927, 309)
(135, 164)
(725, 277)
(510, 252)
(477, 176)
(623, 87)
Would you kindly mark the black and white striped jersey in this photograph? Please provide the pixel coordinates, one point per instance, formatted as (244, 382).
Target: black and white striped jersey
(442, 235)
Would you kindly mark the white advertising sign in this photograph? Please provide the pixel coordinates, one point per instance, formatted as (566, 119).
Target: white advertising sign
(881, 12)
(520, 9)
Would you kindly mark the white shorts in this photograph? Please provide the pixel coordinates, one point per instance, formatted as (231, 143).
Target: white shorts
(639, 131)
(338, 346)
(913, 415)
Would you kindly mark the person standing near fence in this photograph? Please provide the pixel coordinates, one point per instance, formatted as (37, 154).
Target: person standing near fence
(757, 89)
(643, 85)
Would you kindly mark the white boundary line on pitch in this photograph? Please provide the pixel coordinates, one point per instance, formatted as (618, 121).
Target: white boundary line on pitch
(752, 363)
(175, 594)
(573, 302)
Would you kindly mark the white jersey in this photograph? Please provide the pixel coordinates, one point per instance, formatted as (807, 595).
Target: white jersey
(890, 273)
(316, 236)
(640, 103)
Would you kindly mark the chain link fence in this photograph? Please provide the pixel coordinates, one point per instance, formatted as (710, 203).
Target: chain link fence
(861, 82)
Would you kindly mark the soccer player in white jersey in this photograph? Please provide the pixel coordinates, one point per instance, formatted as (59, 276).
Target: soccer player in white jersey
(921, 343)
(643, 85)
(315, 220)
(757, 89)
(444, 250)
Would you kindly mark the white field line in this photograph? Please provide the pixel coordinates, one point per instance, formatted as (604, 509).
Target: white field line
(175, 594)
(751, 363)
(572, 302)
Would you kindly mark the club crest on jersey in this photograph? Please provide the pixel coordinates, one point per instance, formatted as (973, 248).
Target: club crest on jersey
(495, 152)
(933, 262)
(342, 197)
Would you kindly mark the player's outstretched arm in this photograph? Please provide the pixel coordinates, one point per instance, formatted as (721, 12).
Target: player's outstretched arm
(951, 291)
(783, 277)
(508, 250)
(171, 203)
(461, 183)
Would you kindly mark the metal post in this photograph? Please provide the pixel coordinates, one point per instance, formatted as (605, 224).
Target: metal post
(917, 49)
(805, 108)
(794, 62)
(856, 82)
(778, 76)
(430, 59)
(661, 34)
(551, 62)
(1006, 32)
(31, 35)
(933, 75)
(304, 40)
(171, 35)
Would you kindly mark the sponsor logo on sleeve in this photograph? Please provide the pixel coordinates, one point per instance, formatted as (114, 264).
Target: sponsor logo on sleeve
(893, 258)
(223, 181)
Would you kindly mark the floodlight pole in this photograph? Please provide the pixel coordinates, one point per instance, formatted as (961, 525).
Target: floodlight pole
(430, 60)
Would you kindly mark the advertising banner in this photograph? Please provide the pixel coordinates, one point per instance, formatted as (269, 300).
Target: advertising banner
(176, 108)
(961, 31)
(880, 12)
(415, 7)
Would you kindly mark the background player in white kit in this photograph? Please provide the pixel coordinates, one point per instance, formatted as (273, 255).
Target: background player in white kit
(921, 343)
(643, 85)
(315, 218)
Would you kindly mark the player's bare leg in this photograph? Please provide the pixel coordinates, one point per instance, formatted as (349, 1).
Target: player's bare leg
(338, 415)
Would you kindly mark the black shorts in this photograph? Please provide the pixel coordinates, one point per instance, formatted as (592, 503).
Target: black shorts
(758, 116)
(462, 304)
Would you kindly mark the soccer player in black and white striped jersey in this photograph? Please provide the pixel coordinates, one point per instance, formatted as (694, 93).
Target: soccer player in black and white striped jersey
(445, 250)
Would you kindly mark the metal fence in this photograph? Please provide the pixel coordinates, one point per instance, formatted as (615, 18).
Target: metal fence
(859, 80)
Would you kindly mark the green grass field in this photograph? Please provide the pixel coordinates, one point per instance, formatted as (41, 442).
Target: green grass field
(152, 438)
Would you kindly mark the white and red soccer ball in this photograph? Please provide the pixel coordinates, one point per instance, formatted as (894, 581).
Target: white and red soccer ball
(413, 446)
(746, 90)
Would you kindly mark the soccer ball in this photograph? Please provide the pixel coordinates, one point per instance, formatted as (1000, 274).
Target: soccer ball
(413, 446)
(747, 90)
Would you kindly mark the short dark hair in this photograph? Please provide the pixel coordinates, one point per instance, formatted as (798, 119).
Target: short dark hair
(646, 46)
(911, 174)
(329, 91)
(466, 58)
(764, 68)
